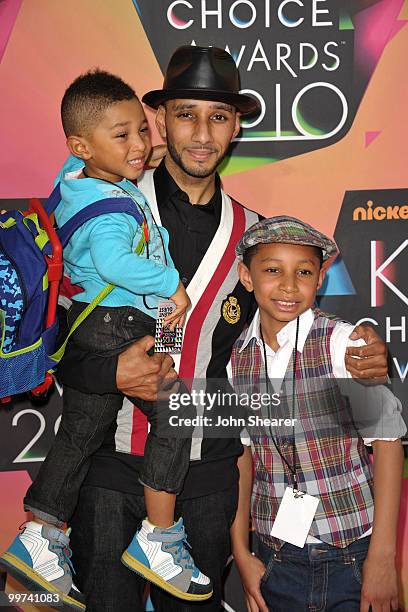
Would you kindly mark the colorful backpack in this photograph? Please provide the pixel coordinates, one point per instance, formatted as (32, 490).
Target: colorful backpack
(30, 272)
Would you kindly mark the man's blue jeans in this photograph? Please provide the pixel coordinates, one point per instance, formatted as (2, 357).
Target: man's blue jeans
(316, 578)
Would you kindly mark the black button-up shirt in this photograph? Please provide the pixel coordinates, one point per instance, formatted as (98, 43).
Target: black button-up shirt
(191, 226)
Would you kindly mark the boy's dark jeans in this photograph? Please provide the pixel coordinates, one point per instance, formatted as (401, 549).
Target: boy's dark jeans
(316, 577)
(86, 420)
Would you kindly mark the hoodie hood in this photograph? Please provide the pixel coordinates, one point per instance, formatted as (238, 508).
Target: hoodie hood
(77, 193)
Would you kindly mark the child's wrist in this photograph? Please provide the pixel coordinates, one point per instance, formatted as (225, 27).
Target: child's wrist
(379, 550)
(241, 551)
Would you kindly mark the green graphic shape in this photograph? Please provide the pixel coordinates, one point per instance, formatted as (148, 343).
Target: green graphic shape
(235, 163)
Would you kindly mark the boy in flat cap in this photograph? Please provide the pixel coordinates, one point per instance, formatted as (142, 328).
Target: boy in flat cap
(321, 547)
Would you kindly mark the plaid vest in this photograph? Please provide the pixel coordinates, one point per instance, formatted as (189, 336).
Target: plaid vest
(335, 467)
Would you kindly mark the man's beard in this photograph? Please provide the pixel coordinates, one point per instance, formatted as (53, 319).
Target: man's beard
(194, 172)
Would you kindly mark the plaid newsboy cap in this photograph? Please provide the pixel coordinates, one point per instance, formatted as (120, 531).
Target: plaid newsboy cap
(288, 230)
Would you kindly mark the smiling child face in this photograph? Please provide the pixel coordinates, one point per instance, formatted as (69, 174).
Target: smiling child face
(117, 147)
(284, 279)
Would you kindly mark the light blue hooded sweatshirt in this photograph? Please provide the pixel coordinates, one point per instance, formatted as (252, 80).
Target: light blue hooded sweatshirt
(101, 251)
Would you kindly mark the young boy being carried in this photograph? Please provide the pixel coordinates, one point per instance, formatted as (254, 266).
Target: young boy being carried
(321, 545)
(108, 137)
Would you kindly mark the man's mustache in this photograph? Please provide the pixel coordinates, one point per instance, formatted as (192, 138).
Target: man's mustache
(203, 148)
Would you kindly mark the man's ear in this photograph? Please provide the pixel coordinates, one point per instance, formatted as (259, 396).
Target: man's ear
(237, 126)
(245, 276)
(161, 121)
(78, 146)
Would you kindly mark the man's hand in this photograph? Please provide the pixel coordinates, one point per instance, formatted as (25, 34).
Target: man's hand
(379, 590)
(156, 155)
(368, 361)
(251, 569)
(139, 375)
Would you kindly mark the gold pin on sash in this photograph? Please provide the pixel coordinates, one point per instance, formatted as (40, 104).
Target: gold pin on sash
(231, 310)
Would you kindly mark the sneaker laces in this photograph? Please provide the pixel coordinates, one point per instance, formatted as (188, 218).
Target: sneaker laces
(178, 539)
(64, 554)
(59, 543)
(182, 555)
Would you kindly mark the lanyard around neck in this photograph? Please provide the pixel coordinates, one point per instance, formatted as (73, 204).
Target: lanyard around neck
(294, 468)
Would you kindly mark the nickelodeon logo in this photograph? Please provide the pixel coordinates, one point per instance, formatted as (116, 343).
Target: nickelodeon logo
(380, 213)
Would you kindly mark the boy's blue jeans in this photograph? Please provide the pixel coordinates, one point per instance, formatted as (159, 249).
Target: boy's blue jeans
(86, 420)
(315, 578)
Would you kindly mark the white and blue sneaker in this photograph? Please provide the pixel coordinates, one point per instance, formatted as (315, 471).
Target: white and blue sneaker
(162, 557)
(39, 558)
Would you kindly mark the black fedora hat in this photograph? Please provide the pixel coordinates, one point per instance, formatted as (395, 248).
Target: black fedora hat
(202, 73)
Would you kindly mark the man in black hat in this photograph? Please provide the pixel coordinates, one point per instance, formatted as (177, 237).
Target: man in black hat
(198, 112)
(198, 115)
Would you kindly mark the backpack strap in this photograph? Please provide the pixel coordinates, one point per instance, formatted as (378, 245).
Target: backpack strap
(53, 200)
(58, 355)
(101, 207)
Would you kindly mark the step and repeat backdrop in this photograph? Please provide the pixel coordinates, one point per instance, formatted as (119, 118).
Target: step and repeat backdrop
(329, 145)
